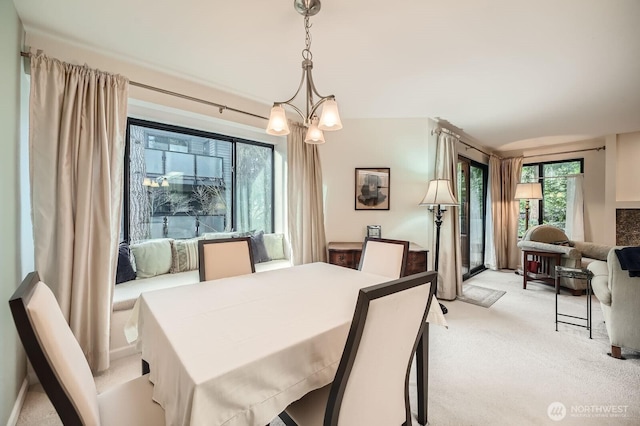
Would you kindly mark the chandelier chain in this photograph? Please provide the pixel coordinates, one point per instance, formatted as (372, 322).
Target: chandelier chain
(306, 53)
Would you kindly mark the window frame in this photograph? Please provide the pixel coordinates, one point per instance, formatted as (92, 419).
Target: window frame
(132, 121)
(541, 178)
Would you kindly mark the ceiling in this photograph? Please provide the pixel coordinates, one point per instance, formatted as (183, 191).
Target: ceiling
(509, 73)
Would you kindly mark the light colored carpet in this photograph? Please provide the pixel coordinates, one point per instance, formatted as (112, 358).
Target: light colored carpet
(500, 366)
(480, 296)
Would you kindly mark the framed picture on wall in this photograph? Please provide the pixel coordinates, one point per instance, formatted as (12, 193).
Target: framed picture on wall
(372, 188)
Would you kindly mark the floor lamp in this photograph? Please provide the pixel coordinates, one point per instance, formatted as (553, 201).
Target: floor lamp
(439, 195)
(528, 191)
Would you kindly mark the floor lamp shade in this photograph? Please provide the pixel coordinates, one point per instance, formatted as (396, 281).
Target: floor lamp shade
(439, 193)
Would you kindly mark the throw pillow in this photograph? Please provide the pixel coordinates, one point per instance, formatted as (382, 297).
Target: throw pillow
(257, 246)
(124, 270)
(275, 246)
(153, 257)
(184, 255)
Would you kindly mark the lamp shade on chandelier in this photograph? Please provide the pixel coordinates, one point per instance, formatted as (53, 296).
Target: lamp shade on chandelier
(329, 120)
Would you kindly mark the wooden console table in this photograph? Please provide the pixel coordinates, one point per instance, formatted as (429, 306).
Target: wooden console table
(348, 255)
(545, 272)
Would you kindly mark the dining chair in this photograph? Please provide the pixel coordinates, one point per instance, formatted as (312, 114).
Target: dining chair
(371, 385)
(225, 257)
(384, 257)
(62, 368)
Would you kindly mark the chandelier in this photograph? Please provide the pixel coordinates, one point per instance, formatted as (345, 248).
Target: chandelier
(330, 118)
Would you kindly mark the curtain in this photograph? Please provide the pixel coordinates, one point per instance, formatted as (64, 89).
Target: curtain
(493, 192)
(574, 227)
(76, 149)
(505, 174)
(305, 200)
(450, 261)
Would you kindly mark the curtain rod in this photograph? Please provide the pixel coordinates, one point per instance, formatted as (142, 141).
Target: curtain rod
(221, 108)
(449, 132)
(599, 148)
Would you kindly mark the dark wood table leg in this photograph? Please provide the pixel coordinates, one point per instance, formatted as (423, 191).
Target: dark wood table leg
(422, 369)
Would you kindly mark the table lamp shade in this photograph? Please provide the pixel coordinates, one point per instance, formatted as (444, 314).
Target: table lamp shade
(439, 193)
(528, 191)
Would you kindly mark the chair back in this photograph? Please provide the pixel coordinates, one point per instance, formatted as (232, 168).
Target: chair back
(54, 353)
(384, 257)
(372, 381)
(225, 257)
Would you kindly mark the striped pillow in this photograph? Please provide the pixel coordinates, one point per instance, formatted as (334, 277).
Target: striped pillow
(184, 255)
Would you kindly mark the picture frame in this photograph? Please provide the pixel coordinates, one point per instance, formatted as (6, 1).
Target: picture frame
(372, 188)
(374, 231)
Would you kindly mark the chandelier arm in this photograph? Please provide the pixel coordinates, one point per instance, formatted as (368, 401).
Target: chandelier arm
(295, 108)
(313, 86)
(317, 104)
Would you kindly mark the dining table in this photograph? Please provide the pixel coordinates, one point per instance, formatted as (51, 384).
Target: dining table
(239, 350)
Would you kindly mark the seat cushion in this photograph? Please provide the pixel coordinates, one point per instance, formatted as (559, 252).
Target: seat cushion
(126, 294)
(130, 403)
(310, 409)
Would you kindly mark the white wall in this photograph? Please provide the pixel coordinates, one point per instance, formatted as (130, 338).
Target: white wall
(407, 147)
(622, 179)
(627, 167)
(12, 360)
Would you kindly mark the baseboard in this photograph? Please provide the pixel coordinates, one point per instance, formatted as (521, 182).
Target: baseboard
(123, 352)
(17, 407)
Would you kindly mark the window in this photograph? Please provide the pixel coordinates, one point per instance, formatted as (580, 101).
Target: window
(552, 209)
(182, 183)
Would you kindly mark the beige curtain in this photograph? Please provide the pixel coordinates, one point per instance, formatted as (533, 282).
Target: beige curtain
(77, 128)
(493, 206)
(304, 193)
(504, 175)
(450, 257)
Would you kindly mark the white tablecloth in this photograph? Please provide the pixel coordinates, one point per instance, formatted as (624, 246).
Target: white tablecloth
(237, 351)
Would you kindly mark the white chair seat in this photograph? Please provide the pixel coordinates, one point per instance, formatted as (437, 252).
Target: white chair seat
(130, 404)
(309, 411)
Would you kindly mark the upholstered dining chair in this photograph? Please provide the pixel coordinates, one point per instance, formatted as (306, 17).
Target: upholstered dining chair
(384, 257)
(63, 371)
(372, 381)
(225, 257)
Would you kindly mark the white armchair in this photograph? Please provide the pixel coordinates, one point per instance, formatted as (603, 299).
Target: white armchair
(619, 296)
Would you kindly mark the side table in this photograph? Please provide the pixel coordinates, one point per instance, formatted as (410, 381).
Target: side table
(544, 271)
(562, 271)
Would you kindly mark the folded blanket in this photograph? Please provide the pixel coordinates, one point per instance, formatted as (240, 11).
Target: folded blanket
(629, 258)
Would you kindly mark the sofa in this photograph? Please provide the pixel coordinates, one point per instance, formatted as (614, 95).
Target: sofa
(619, 296)
(574, 254)
(165, 262)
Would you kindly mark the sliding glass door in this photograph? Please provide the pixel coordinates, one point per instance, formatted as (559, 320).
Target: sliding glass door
(472, 184)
